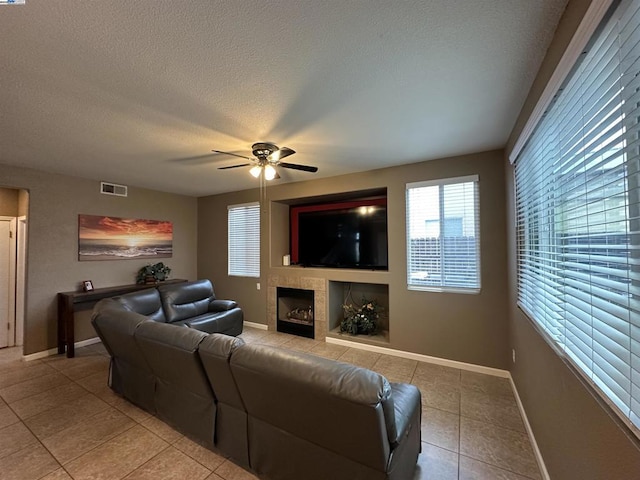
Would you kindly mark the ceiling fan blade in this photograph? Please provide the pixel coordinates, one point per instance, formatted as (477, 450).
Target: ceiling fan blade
(295, 166)
(234, 154)
(285, 152)
(280, 154)
(234, 166)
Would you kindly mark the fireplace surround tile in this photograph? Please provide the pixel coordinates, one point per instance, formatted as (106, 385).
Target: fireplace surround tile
(319, 287)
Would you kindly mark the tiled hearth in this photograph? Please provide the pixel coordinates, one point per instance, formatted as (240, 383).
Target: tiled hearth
(319, 287)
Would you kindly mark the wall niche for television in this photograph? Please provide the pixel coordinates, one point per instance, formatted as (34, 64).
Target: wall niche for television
(341, 232)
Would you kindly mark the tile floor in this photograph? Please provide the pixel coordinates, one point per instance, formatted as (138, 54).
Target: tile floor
(59, 420)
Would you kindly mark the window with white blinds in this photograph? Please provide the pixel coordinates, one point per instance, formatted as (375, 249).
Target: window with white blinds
(578, 215)
(443, 241)
(244, 240)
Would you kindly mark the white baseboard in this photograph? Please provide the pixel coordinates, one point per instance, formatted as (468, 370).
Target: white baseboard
(496, 372)
(532, 438)
(259, 326)
(54, 351)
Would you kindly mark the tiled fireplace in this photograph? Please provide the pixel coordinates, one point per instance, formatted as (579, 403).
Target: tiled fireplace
(319, 308)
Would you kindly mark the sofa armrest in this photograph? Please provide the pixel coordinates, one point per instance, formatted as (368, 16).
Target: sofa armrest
(222, 305)
(407, 403)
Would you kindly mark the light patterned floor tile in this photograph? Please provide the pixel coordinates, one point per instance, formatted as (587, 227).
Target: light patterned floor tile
(441, 396)
(441, 428)
(33, 386)
(501, 447)
(7, 417)
(328, 350)
(15, 437)
(32, 462)
(471, 469)
(35, 404)
(78, 439)
(65, 415)
(200, 454)
(170, 464)
(118, 457)
(22, 372)
(435, 463)
(497, 409)
(361, 358)
(230, 471)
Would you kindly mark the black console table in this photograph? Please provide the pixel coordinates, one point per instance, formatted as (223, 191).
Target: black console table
(70, 302)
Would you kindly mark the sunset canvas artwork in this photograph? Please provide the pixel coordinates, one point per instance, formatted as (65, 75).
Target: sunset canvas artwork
(113, 238)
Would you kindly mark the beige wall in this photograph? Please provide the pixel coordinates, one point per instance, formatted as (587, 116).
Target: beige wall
(467, 328)
(52, 253)
(23, 203)
(577, 435)
(8, 202)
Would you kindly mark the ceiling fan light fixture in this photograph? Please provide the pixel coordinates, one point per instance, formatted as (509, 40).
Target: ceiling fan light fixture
(269, 172)
(266, 156)
(255, 171)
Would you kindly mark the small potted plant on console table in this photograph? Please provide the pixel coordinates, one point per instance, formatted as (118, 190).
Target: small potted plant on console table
(152, 274)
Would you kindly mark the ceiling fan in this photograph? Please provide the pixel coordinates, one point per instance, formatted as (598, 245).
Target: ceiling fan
(267, 157)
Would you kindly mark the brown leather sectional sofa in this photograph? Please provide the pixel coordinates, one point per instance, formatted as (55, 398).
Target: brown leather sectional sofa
(285, 415)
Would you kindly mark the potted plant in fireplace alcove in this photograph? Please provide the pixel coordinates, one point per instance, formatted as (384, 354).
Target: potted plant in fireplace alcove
(361, 319)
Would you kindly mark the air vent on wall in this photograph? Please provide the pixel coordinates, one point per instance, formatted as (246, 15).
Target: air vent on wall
(113, 189)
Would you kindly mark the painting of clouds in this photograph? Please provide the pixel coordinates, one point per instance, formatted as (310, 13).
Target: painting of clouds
(113, 238)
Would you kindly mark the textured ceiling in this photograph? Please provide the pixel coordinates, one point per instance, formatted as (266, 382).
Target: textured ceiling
(139, 92)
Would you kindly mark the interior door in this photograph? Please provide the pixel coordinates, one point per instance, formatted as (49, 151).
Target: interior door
(6, 282)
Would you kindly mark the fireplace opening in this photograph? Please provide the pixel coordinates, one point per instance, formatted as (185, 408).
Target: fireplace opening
(295, 311)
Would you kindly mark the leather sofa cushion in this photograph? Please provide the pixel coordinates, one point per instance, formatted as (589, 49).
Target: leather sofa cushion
(222, 305)
(406, 401)
(215, 352)
(186, 300)
(131, 375)
(145, 302)
(333, 405)
(183, 394)
(226, 322)
(172, 354)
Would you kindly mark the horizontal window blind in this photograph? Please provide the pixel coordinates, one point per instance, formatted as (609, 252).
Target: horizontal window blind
(443, 235)
(578, 215)
(244, 240)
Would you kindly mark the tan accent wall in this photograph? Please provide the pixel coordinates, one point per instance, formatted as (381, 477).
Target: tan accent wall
(467, 328)
(578, 436)
(52, 252)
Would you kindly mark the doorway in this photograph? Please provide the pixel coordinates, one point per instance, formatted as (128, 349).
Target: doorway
(13, 257)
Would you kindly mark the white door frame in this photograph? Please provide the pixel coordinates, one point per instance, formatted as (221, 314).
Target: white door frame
(21, 278)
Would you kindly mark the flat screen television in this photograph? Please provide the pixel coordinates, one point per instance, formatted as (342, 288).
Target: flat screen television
(341, 235)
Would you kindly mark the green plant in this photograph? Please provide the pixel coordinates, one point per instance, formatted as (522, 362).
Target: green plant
(153, 273)
(362, 319)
